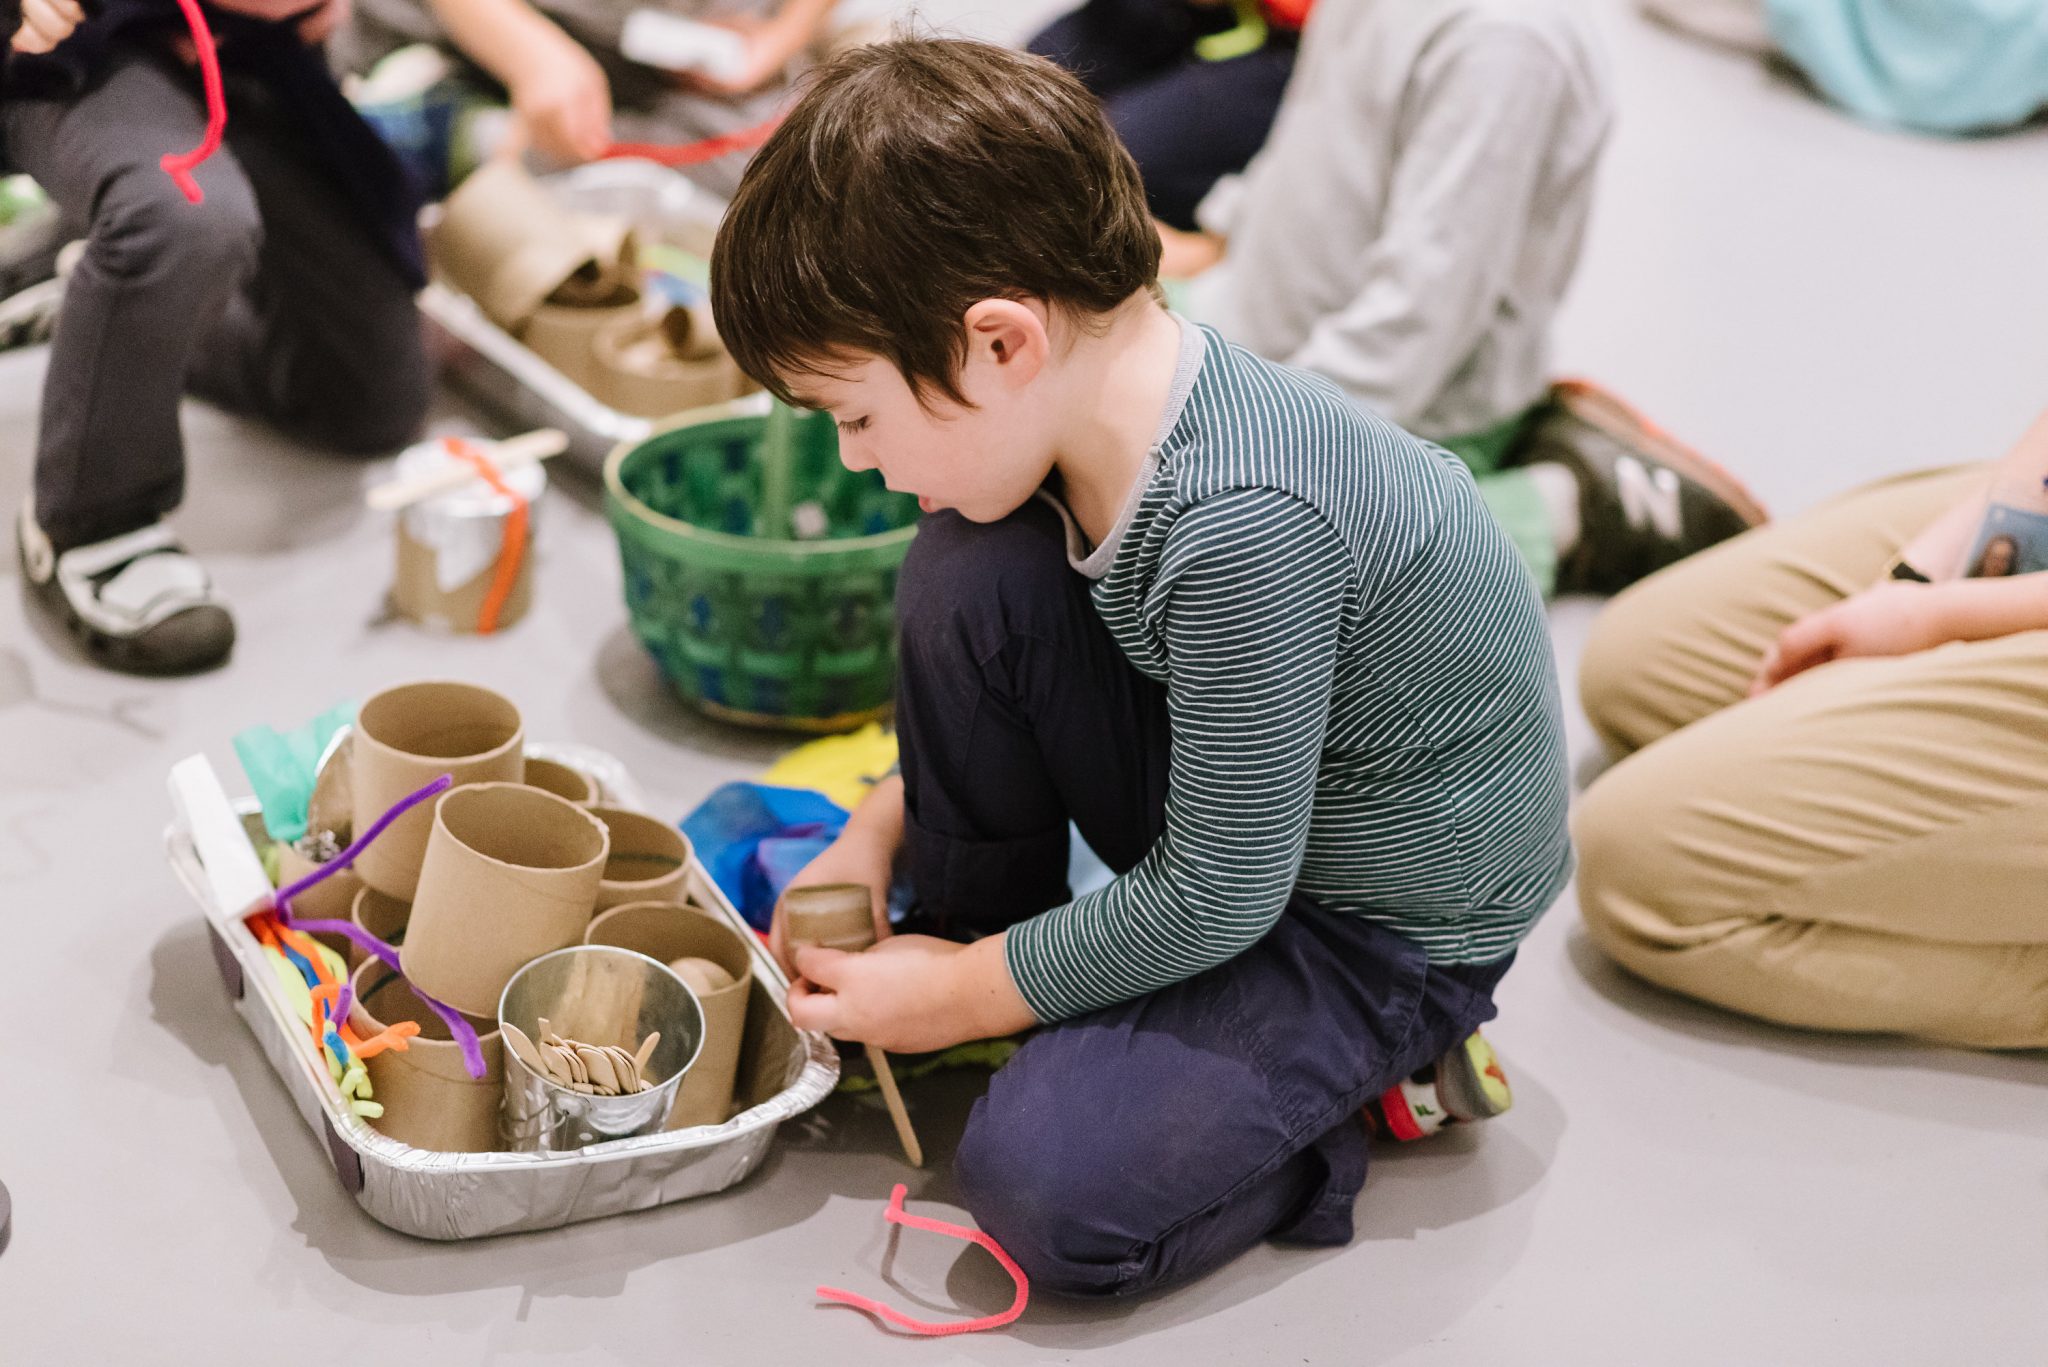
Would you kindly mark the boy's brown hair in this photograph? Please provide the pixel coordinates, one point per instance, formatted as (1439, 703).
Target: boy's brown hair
(914, 178)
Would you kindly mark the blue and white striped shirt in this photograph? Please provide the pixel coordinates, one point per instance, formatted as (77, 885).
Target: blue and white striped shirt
(1362, 696)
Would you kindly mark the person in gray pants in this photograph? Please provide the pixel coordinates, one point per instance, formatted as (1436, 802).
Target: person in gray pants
(286, 294)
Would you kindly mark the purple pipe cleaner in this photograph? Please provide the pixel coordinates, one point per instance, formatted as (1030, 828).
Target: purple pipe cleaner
(459, 1027)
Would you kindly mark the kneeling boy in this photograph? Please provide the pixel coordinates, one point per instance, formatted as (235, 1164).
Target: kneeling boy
(1265, 650)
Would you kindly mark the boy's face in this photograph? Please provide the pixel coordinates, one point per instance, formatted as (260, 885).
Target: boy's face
(983, 461)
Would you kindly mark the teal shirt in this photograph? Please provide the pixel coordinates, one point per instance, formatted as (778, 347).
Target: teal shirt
(1958, 66)
(1363, 700)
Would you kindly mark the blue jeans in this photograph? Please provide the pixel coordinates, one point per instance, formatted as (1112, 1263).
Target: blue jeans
(1150, 1142)
(1187, 122)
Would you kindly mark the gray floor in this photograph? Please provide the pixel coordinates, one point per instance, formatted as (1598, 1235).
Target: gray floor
(1814, 302)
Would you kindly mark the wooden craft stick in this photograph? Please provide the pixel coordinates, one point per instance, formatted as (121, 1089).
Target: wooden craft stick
(842, 916)
(898, 1112)
(509, 454)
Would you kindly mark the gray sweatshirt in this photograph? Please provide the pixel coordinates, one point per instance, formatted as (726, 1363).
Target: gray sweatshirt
(1410, 227)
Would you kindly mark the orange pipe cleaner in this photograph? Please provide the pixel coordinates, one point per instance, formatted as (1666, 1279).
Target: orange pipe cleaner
(512, 550)
(897, 1215)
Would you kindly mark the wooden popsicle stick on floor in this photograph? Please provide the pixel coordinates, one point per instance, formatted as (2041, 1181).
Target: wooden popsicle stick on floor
(842, 916)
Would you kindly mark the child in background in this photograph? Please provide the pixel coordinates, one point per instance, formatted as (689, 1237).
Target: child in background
(286, 294)
(1266, 650)
(575, 92)
(1190, 86)
(1409, 231)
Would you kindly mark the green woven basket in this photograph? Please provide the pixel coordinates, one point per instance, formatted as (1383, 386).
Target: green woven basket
(746, 621)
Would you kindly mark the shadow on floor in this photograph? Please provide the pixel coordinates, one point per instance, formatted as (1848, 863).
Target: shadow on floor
(626, 676)
(1836, 1058)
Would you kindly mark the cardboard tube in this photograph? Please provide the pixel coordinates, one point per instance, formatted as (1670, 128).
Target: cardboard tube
(654, 367)
(833, 916)
(417, 593)
(511, 873)
(509, 244)
(382, 916)
(406, 737)
(648, 863)
(327, 900)
(565, 334)
(430, 1101)
(551, 776)
(667, 932)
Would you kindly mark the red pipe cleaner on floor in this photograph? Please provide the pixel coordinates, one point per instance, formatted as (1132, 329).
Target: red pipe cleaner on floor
(691, 153)
(897, 1215)
(180, 165)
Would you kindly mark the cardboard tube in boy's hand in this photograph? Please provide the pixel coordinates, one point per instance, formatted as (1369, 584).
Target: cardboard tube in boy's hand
(842, 916)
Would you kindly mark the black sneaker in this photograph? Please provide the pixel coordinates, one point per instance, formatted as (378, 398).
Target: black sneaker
(137, 602)
(1646, 500)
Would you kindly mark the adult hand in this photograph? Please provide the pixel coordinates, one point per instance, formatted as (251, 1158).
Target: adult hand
(1892, 618)
(768, 54)
(321, 23)
(46, 23)
(562, 102)
(849, 859)
(1183, 256)
(909, 994)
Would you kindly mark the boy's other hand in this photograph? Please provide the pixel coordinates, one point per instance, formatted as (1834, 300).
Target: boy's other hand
(1893, 618)
(1183, 256)
(46, 23)
(909, 994)
(849, 859)
(563, 103)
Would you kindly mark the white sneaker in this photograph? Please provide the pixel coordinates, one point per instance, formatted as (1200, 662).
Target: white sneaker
(138, 602)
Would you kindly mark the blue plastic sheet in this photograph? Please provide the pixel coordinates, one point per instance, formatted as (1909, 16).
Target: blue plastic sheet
(753, 839)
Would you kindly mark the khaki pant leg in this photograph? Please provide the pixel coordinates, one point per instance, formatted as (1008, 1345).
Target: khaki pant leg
(1686, 643)
(1864, 848)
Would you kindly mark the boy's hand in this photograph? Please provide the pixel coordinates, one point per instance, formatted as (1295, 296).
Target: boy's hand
(909, 994)
(1894, 618)
(563, 102)
(46, 23)
(849, 859)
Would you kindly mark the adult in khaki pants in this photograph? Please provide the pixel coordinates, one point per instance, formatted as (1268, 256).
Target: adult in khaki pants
(1834, 809)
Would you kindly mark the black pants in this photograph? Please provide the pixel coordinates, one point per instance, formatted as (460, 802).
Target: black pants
(271, 298)
(1187, 122)
(1150, 1142)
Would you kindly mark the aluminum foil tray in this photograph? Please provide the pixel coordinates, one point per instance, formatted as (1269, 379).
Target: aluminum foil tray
(783, 1072)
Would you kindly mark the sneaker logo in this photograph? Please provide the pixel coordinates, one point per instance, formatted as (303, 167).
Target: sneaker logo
(1650, 497)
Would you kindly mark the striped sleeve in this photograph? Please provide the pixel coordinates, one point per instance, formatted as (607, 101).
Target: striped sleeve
(1249, 606)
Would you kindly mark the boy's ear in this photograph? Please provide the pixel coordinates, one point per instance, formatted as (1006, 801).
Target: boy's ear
(1009, 334)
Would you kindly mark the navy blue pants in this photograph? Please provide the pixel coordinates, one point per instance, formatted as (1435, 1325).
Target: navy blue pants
(1151, 1142)
(1187, 122)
